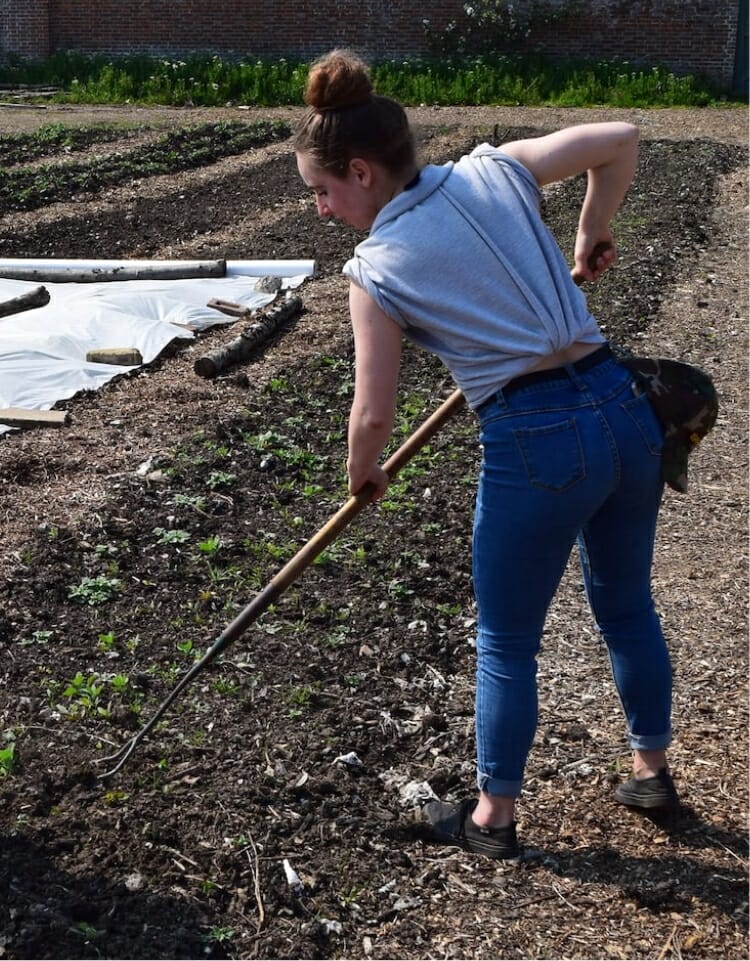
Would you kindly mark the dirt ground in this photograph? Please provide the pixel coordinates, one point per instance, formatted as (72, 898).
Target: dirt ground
(134, 535)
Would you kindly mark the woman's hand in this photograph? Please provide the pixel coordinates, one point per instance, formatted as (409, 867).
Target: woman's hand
(376, 477)
(592, 258)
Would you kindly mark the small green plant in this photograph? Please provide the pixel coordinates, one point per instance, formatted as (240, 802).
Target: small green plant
(132, 643)
(114, 798)
(220, 478)
(7, 759)
(197, 502)
(95, 590)
(38, 637)
(175, 536)
(84, 694)
(210, 546)
(119, 682)
(218, 935)
(105, 642)
(225, 687)
(86, 930)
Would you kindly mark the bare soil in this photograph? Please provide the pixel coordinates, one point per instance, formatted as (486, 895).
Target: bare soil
(179, 498)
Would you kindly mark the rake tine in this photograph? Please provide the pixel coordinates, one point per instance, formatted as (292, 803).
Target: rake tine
(291, 571)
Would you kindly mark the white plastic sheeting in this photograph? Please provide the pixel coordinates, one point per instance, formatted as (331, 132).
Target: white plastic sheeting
(43, 351)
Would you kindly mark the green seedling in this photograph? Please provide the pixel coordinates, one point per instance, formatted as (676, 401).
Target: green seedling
(450, 609)
(95, 590)
(196, 502)
(84, 695)
(8, 759)
(218, 935)
(118, 683)
(38, 637)
(132, 644)
(106, 642)
(86, 930)
(220, 478)
(210, 546)
(114, 798)
(175, 536)
(106, 550)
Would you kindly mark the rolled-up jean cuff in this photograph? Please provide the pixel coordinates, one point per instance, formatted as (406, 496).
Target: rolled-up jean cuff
(649, 742)
(494, 785)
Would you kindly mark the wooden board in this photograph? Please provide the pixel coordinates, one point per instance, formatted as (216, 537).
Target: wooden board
(23, 417)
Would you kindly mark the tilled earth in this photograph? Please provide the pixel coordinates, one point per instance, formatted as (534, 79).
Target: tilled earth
(134, 535)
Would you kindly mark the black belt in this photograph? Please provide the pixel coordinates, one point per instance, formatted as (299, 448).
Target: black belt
(553, 373)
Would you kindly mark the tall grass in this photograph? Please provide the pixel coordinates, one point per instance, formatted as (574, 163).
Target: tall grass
(486, 80)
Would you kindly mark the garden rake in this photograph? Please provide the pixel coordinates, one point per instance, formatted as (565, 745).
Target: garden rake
(292, 570)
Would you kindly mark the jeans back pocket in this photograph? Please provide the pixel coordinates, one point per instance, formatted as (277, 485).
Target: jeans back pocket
(552, 455)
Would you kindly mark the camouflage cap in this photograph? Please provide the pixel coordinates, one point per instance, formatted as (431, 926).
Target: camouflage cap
(684, 399)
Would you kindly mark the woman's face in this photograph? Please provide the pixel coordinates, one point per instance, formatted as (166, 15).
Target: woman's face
(349, 198)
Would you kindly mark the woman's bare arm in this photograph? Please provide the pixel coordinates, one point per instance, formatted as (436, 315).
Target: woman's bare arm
(377, 349)
(609, 153)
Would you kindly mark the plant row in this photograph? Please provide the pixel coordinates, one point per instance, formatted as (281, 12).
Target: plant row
(448, 80)
(185, 149)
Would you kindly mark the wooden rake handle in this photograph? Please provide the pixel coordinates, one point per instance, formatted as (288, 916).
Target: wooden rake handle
(293, 568)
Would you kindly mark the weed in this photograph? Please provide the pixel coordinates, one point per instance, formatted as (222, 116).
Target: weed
(119, 682)
(114, 798)
(175, 536)
(85, 930)
(84, 694)
(106, 642)
(196, 502)
(95, 590)
(210, 546)
(132, 643)
(218, 935)
(8, 759)
(220, 478)
(38, 637)
(228, 688)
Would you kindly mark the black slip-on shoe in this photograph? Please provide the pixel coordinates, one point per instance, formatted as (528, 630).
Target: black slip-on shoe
(651, 792)
(452, 824)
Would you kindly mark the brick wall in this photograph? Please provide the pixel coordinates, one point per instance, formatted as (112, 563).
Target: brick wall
(24, 28)
(689, 36)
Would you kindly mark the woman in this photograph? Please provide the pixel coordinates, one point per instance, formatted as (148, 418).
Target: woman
(459, 261)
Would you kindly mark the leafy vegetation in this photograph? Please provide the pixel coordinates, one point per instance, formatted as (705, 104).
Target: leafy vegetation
(448, 78)
(27, 188)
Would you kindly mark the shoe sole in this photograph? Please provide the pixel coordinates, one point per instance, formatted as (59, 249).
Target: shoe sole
(647, 803)
(474, 845)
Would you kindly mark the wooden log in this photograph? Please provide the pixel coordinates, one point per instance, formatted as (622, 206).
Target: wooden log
(37, 297)
(119, 356)
(24, 417)
(242, 347)
(93, 275)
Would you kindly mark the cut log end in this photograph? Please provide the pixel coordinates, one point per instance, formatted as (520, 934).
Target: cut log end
(117, 356)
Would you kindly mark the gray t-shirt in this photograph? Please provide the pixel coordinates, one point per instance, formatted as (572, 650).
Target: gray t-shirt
(463, 262)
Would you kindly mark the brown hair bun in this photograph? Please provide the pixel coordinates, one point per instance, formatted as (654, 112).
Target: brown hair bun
(338, 79)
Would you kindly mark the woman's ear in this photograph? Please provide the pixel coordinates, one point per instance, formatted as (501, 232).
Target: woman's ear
(362, 171)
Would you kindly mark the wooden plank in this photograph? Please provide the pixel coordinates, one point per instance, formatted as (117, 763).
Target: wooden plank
(24, 417)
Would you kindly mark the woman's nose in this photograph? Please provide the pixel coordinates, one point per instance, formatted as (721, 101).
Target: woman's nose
(323, 209)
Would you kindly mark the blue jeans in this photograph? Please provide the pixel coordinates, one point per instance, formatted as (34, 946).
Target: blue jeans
(571, 459)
